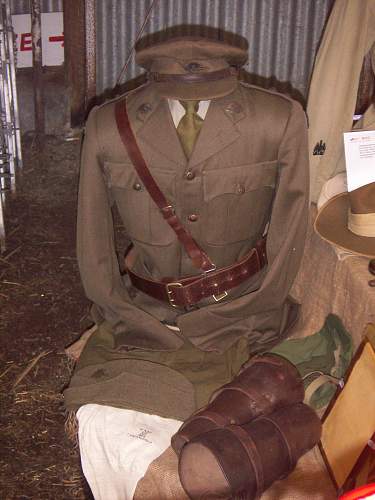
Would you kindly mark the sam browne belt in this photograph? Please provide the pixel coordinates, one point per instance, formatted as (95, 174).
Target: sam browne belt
(185, 291)
(190, 290)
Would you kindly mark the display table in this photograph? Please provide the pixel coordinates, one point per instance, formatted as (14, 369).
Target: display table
(308, 481)
(324, 285)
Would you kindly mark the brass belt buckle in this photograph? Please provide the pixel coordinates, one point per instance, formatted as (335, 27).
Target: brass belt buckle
(170, 292)
(221, 296)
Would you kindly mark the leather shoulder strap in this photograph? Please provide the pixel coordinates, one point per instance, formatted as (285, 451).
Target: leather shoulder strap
(199, 258)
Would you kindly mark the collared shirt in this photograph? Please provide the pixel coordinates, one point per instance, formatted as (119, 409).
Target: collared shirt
(177, 110)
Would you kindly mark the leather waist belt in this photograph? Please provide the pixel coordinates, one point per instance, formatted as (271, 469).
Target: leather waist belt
(192, 289)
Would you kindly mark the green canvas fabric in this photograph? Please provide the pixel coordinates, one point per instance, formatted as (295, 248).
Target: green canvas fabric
(328, 351)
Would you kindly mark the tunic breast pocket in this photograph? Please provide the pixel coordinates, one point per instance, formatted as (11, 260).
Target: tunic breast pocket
(140, 215)
(238, 201)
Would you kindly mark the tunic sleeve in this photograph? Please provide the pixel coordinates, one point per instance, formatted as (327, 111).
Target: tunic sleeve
(289, 219)
(97, 259)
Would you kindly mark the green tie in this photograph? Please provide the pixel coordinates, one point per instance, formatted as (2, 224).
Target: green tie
(189, 127)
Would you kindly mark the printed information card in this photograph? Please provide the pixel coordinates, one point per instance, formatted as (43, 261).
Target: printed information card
(360, 158)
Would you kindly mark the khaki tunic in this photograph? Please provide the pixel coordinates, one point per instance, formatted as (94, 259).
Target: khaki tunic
(248, 173)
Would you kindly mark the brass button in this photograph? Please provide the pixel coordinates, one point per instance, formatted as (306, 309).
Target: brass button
(137, 186)
(145, 107)
(240, 189)
(189, 175)
(193, 217)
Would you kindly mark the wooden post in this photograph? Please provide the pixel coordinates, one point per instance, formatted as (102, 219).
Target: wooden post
(36, 33)
(90, 14)
(80, 56)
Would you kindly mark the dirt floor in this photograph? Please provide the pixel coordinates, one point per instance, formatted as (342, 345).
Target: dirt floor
(42, 310)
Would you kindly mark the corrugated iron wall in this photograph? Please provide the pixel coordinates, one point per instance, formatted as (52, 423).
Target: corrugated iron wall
(283, 34)
(23, 6)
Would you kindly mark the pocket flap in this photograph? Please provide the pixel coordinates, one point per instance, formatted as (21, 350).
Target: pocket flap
(122, 175)
(239, 180)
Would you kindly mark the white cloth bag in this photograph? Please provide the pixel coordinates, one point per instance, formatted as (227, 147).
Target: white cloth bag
(117, 446)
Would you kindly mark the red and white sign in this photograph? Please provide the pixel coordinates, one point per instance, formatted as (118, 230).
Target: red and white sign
(52, 39)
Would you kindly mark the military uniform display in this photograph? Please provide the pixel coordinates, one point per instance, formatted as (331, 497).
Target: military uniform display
(247, 177)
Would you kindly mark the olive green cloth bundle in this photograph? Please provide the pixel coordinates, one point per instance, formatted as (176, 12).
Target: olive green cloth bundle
(172, 384)
(327, 352)
(175, 384)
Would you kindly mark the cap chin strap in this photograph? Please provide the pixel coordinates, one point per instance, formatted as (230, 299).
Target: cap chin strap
(362, 224)
(193, 77)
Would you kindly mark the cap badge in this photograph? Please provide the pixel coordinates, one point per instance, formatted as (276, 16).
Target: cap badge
(143, 110)
(233, 107)
(194, 67)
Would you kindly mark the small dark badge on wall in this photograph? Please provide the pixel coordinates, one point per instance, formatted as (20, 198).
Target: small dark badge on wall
(320, 148)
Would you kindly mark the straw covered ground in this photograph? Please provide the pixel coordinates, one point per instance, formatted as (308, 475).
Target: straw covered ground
(42, 309)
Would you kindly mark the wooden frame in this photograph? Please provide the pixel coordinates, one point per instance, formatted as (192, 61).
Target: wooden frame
(80, 57)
